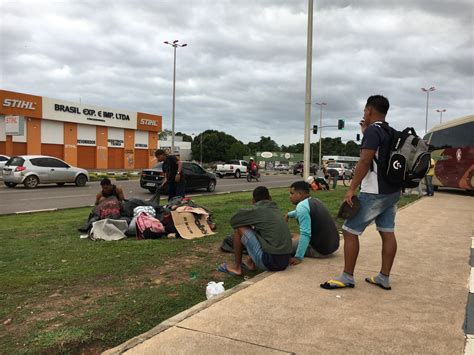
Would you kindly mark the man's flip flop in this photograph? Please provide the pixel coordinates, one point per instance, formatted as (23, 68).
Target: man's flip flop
(371, 280)
(245, 267)
(335, 284)
(223, 268)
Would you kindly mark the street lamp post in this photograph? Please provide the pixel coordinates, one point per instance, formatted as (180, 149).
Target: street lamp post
(174, 44)
(427, 99)
(441, 114)
(320, 104)
(202, 134)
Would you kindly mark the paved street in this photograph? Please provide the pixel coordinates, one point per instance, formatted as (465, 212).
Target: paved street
(20, 199)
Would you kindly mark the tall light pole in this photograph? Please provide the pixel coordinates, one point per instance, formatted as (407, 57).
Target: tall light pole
(174, 44)
(441, 114)
(202, 135)
(320, 104)
(307, 110)
(427, 99)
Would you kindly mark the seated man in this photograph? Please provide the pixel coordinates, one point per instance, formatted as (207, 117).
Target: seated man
(109, 190)
(318, 232)
(264, 233)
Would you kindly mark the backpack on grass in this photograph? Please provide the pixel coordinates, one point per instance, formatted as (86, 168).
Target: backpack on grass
(408, 159)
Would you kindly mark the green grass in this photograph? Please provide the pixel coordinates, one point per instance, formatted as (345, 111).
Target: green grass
(65, 294)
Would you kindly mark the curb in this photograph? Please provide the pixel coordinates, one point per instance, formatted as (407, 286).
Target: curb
(171, 322)
(469, 321)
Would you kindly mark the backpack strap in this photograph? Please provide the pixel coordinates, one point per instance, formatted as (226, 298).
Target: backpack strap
(389, 130)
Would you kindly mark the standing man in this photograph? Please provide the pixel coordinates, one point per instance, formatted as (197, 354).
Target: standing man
(318, 236)
(378, 199)
(264, 233)
(429, 179)
(173, 170)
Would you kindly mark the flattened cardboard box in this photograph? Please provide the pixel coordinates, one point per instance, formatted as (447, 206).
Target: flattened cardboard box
(191, 226)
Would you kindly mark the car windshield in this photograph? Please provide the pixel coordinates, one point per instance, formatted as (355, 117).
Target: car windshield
(334, 166)
(15, 161)
(158, 166)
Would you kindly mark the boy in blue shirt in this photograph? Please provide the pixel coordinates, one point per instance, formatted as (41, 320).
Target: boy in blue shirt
(318, 232)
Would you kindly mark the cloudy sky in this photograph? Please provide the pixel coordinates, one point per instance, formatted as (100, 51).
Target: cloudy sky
(243, 71)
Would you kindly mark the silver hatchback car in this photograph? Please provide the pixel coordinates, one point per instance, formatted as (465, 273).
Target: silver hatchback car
(32, 170)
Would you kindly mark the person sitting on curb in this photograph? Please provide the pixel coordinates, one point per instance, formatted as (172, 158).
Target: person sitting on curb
(264, 233)
(318, 236)
(109, 190)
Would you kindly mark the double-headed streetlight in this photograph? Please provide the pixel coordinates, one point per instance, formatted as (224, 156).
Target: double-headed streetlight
(174, 44)
(320, 104)
(441, 114)
(427, 99)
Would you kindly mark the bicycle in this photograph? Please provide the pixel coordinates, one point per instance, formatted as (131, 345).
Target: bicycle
(346, 179)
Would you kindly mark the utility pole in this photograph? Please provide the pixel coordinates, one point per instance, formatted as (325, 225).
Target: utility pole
(307, 110)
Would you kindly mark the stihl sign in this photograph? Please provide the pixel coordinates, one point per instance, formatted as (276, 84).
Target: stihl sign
(147, 122)
(27, 105)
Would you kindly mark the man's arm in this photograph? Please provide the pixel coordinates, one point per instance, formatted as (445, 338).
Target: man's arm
(362, 168)
(97, 198)
(304, 220)
(120, 194)
(180, 171)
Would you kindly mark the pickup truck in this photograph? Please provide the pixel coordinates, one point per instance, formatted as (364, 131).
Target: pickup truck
(237, 168)
(342, 169)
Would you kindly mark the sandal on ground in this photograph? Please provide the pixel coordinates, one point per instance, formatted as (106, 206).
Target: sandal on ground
(246, 267)
(335, 284)
(223, 268)
(371, 280)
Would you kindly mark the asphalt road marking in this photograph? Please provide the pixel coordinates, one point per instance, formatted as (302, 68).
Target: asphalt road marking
(49, 198)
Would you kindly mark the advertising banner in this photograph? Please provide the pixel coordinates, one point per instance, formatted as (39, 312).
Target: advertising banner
(87, 114)
(14, 125)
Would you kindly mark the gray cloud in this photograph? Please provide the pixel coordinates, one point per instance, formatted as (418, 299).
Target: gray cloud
(244, 69)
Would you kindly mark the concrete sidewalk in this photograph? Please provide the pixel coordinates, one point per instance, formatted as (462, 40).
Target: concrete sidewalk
(287, 312)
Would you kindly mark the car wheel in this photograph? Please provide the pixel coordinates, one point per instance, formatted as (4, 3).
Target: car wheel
(221, 176)
(237, 174)
(60, 183)
(31, 182)
(212, 186)
(152, 190)
(10, 184)
(81, 180)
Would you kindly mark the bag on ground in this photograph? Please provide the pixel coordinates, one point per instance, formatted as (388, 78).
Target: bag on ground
(214, 288)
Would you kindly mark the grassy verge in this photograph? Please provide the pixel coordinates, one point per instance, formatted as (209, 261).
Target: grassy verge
(64, 294)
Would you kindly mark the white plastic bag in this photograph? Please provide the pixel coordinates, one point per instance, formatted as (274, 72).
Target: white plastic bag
(213, 289)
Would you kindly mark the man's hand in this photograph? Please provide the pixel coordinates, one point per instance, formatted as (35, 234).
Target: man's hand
(295, 261)
(348, 197)
(177, 178)
(286, 217)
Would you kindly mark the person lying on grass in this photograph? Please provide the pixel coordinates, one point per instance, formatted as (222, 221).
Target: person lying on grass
(265, 234)
(318, 236)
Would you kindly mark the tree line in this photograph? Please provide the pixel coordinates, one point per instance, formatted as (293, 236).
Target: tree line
(220, 146)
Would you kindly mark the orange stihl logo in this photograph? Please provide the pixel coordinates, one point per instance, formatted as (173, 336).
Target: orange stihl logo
(19, 104)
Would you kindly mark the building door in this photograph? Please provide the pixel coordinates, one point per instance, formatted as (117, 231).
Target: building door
(86, 157)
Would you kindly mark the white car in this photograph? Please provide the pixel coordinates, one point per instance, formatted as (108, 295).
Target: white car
(3, 160)
(237, 168)
(32, 170)
(342, 169)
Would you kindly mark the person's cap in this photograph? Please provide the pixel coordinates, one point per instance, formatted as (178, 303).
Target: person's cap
(348, 212)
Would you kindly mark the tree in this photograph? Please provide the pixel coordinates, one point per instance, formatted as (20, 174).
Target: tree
(186, 137)
(266, 144)
(352, 149)
(237, 150)
(215, 146)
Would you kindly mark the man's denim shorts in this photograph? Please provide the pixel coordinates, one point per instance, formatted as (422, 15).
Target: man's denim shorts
(374, 207)
(250, 240)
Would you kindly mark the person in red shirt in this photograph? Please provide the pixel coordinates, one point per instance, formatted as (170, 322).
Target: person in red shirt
(252, 167)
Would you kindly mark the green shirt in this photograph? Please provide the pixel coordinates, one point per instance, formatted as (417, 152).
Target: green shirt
(271, 229)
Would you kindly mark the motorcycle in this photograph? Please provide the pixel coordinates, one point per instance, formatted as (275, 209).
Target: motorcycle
(252, 175)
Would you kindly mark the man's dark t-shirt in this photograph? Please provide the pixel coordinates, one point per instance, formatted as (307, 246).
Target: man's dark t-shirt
(170, 167)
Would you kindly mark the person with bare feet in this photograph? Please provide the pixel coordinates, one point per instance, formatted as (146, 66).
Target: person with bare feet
(265, 234)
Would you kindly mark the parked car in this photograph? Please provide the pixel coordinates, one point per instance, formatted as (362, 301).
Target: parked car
(299, 166)
(237, 168)
(3, 160)
(342, 169)
(196, 178)
(32, 170)
(282, 167)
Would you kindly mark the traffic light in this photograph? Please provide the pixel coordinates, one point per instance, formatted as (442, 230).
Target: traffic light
(357, 137)
(340, 124)
(315, 129)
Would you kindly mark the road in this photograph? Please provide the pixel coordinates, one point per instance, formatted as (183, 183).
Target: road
(20, 199)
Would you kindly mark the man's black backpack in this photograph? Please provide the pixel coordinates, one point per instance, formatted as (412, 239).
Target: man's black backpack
(408, 159)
